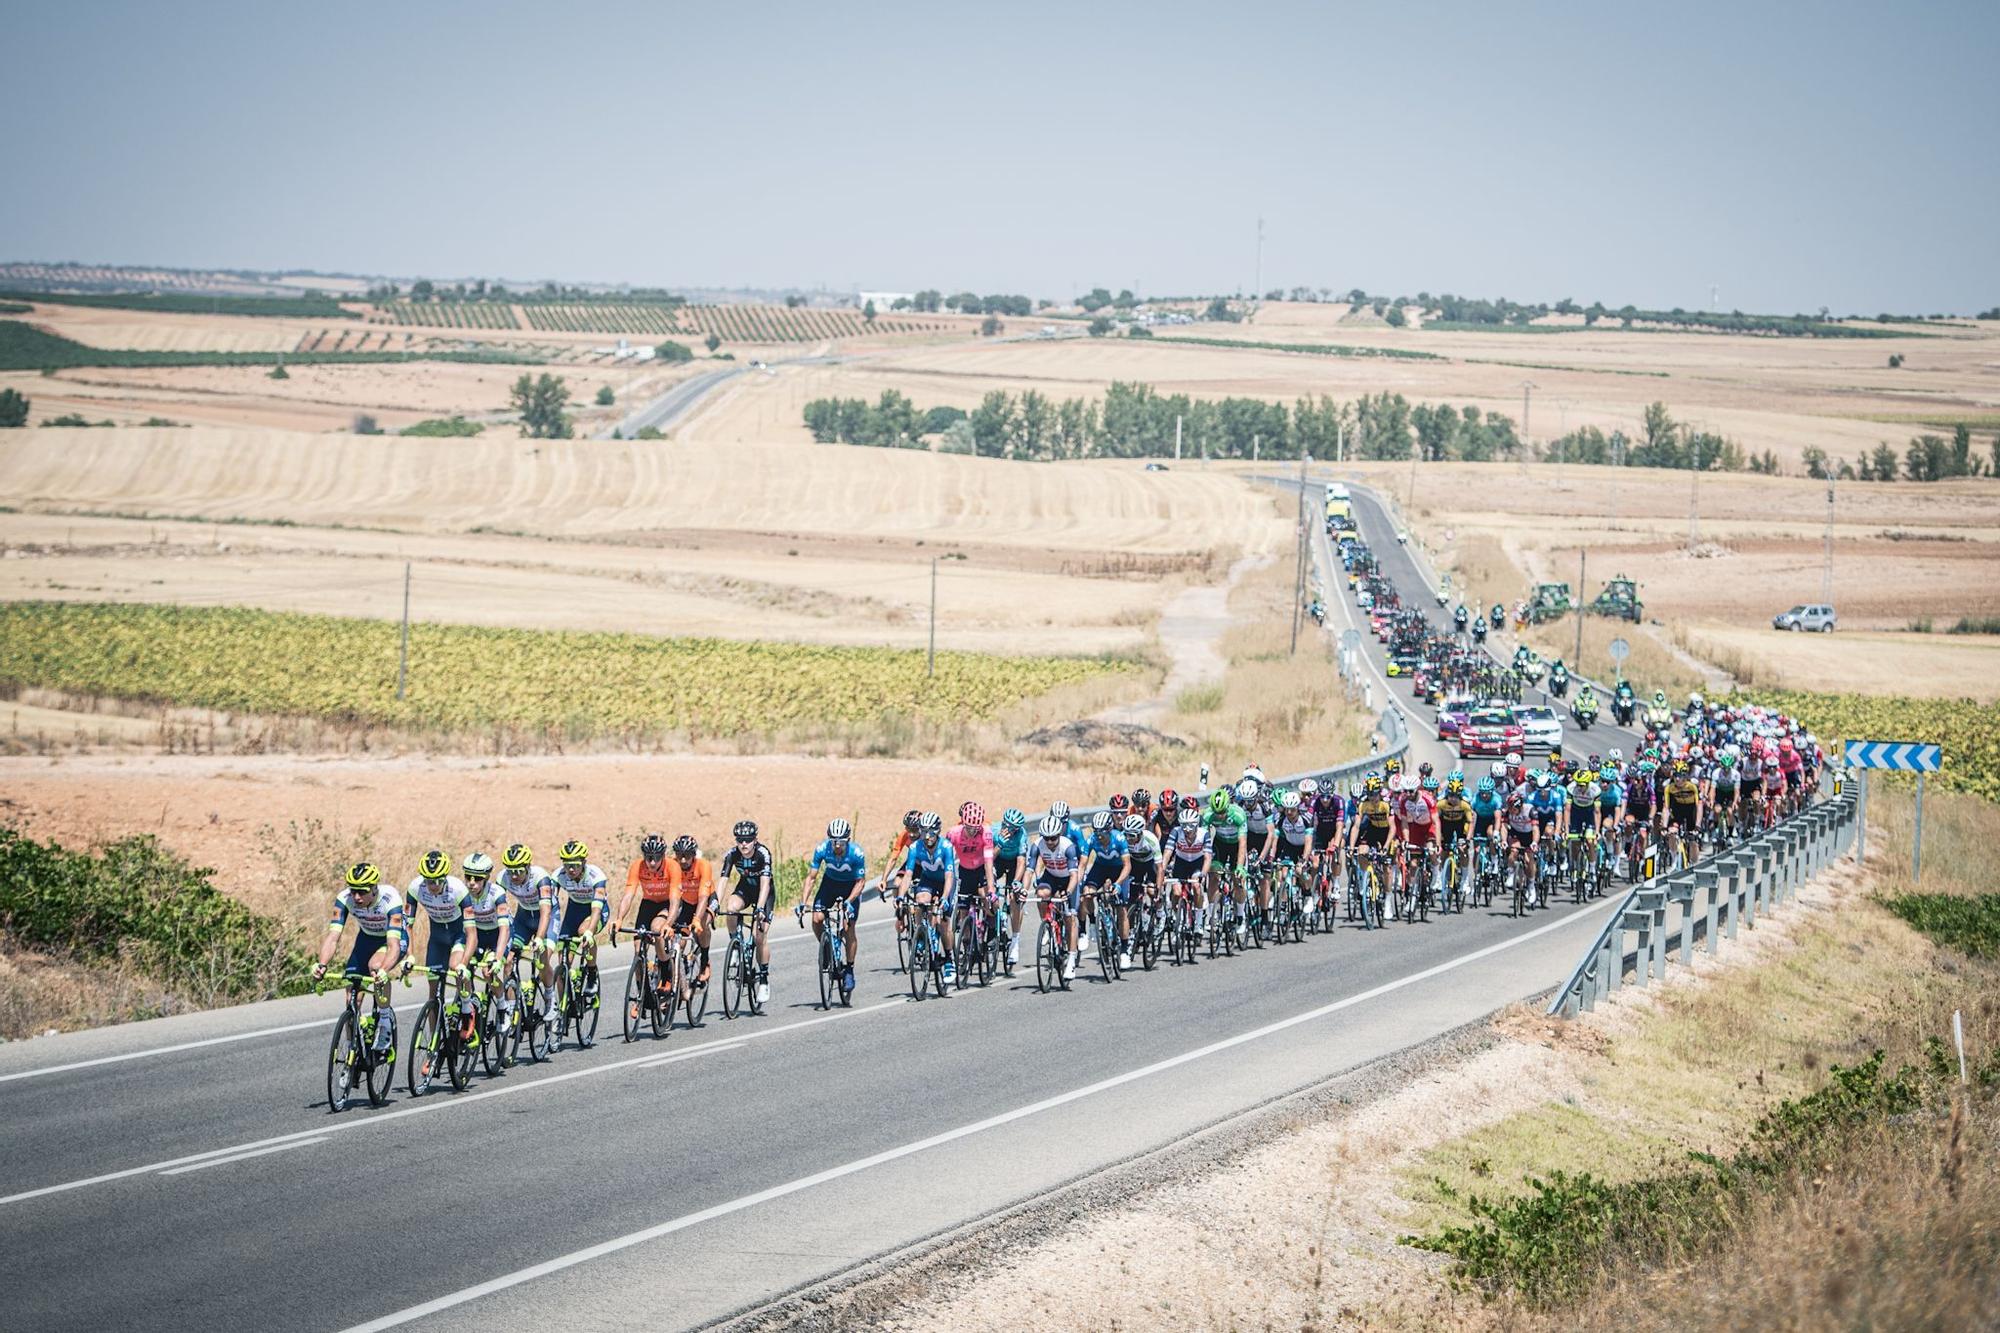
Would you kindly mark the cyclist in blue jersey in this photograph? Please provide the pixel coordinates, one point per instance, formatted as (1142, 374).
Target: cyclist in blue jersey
(837, 871)
(1010, 849)
(931, 866)
(1107, 862)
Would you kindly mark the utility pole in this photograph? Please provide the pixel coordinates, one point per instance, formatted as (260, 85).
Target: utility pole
(1339, 443)
(1177, 439)
(1410, 494)
(930, 658)
(403, 653)
(1694, 494)
(1255, 440)
(1826, 578)
(1299, 569)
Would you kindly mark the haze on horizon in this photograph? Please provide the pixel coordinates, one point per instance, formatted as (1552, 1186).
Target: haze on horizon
(1790, 156)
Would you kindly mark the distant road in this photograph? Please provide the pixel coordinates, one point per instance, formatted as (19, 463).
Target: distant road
(671, 405)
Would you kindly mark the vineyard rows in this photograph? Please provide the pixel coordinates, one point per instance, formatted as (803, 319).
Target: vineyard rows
(574, 684)
(453, 314)
(731, 323)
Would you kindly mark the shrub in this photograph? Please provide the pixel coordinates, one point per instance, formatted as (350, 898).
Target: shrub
(364, 424)
(443, 428)
(73, 419)
(605, 397)
(13, 408)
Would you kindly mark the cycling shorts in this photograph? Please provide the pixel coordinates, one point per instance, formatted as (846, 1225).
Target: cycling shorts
(1324, 832)
(1450, 835)
(650, 909)
(1725, 796)
(525, 921)
(445, 936)
(971, 881)
(1061, 887)
(576, 916)
(1182, 868)
(1521, 837)
(1374, 835)
(832, 891)
(365, 947)
(487, 940)
(1293, 851)
(935, 890)
(1639, 810)
(1482, 825)
(1794, 779)
(1006, 869)
(1419, 835)
(1682, 816)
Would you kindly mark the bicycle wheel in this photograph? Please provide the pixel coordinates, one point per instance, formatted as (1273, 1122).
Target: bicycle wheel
(637, 1003)
(1048, 967)
(918, 965)
(426, 1041)
(697, 997)
(381, 1063)
(492, 1057)
(736, 982)
(343, 1058)
(902, 939)
(584, 1009)
(459, 1052)
(938, 959)
(829, 980)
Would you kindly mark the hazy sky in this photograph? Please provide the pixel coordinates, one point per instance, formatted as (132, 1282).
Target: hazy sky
(1791, 155)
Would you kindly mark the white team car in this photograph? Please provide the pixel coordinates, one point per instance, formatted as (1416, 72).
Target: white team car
(1541, 727)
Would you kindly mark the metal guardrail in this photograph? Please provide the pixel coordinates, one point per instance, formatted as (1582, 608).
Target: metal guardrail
(1715, 896)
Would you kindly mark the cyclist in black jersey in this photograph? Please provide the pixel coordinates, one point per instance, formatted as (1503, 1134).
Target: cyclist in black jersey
(747, 872)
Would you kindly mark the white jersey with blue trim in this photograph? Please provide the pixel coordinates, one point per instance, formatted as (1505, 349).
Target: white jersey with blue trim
(373, 918)
(443, 900)
(588, 889)
(531, 893)
(487, 906)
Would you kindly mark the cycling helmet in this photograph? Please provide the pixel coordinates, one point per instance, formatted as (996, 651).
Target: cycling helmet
(1252, 773)
(1430, 784)
(1541, 782)
(1118, 804)
(1059, 809)
(912, 818)
(1373, 785)
(1456, 775)
(839, 830)
(1191, 802)
(1246, 791)
(1499, 768)
(1694, 701)
(685, 846)
(1188, 818)
(1617, 755)
(1660, 698)
(1308, 787)
(745, 830)
(1392, 766)
(1513, 759)
(1680, 767)
(1100, 822)
(1141, 799)
(1584, 777)
(574, 850)
(1169, 798)
(435, 865)
(972, 814)
(1010, 818)
(1486, 786)
(1051, 827)
(1135, 826)
(1290, 800)
(1455, 784)
(477, 865)
(930, 825)
(364, 875)
(1424, 769)
(653, 847)
(1727, 760)
(517, 856)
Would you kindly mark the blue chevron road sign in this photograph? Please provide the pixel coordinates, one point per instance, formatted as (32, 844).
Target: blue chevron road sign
(1905, 756)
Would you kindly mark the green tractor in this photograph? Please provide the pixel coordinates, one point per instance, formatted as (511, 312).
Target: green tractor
(1619, 600)
(1547, 602)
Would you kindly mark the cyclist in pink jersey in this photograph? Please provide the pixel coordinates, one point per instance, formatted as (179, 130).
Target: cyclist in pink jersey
(973, 843)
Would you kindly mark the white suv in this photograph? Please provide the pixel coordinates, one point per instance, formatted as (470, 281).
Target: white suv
(1817, 617)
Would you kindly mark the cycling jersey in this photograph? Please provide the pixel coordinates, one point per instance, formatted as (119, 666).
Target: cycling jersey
(1520, 811)
(844, 869)
(1376, 813)
(1417, 809)
(972, 846)
(1104, 848)
(529, 887)
(1454, 812)
(1547, 803)
(747, 870)
(1144, 850)
(443, 900)
(1485, 807)
(590, 887)
(653, 880)
(380, 918)
(1014, 844)
(694, 882)
(1058, 860)
(1683, 791)
(1295, 826)
(486, 906)
(1609, 794)
(1257, 818)
(1189, 842)
(931, 866)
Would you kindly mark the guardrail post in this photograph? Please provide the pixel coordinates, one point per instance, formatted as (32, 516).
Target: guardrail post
(1731, 869)
(1680, 890)
(1610, 962)
(1753, 884)
(1653, 902)
(1708, 884)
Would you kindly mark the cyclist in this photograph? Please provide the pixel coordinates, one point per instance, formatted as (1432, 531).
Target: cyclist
(1226, 825)
(1722, 787)
(972, 843)
(748, 869)
(932, 868)
(381, 936)
(1187, 851)
(1053, 861)
(693, 879)
(1010, 846)
(837, 871)
(1374, 822)
(1329, 809)
(1610, 806)
(486, 907)
(1144, 849)
(892, 861)
(532, 890)
(1417, 817)
(1107, 862)
(587, 899)
(1455, 815)
(1168, 817)
(650, 881)
(1294, 828)
(443, 897)
(1260, 837)
(1523, 832)
(1684, 811)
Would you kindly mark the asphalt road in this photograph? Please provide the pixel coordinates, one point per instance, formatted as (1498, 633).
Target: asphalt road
(189, 1167)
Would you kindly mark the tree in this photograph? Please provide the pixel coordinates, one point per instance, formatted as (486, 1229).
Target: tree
(993, 423)
(1397, 319)
(540, 403)
(1099, 327)
(1962, 463)
(421, 290)
(13, 409)
(1993, 467)
(1895, 361)
(605, 397)
(1218, 312)
(941, 419)
(927, 301)
(867, 315)
(1138, 331)
(1125, 300)
(965, 302)
(712, 341)
(1095, 300)
(1884, 461)
(1815, 460)
(365, 424)
(794, 302)
(673, 353)
(991, 326)
(957, 438)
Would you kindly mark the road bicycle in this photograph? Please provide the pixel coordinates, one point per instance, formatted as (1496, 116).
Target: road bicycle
(528, 1025)
(1182, 937)
(833, 962)
(1419, 879)
(1487, 870)
(576, 991)
(925, 951)
(1149, 925)
(1052, 941)
(686, 990)
(648, 999)
(1368, 872)
(1104, 928)
(1451, 882)
(739, 963)
(446, 1033)
(1288, 905)
(363, 1053)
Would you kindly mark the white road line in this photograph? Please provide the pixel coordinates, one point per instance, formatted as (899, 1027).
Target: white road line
(657, 1061)
(682, 1223)
(245, 1156)
(462, 1099)
(150, 1051)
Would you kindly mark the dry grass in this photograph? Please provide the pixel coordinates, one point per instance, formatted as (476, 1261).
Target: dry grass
(1914, 665)
(40, 993)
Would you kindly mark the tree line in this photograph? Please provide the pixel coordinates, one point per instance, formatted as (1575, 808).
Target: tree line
(930, 301)
(1927, 457)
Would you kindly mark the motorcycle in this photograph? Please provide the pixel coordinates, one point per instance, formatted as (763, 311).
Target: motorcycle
(1499, 616)
(1479, 630)
(1584, 717)
(1559, 682)
(1659, 718)
(1624, 707)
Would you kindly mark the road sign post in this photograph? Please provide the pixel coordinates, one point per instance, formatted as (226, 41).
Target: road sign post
(1919, 757)
(1618, 650)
